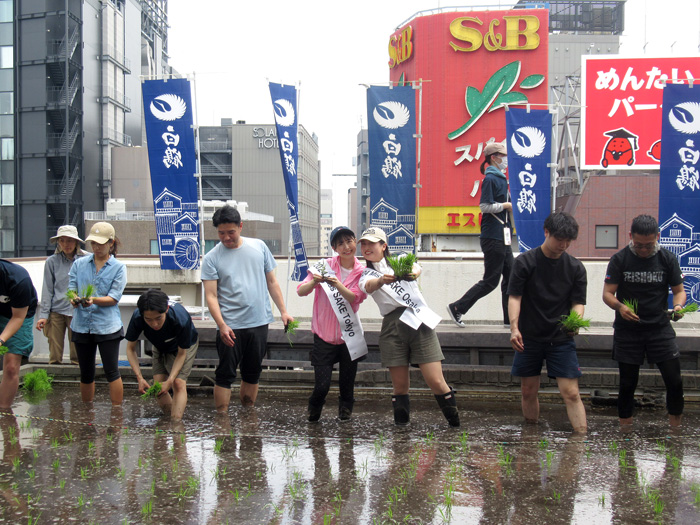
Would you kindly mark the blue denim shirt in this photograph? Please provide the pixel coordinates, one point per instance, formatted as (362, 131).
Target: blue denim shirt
(109, 281)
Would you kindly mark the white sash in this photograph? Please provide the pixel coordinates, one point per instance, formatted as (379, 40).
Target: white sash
(350, 326)
(406, 293)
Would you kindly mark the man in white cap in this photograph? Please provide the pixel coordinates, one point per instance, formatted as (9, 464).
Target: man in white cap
(495, 239)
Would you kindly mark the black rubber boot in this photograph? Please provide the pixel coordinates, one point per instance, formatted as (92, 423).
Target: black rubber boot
(448, 404)
(345, 409)
(402, 409)
(314, 411)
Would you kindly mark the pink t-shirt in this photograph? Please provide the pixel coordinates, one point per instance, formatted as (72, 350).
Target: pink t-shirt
(324, 323)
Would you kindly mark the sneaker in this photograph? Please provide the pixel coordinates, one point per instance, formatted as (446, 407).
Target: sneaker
(455, 316)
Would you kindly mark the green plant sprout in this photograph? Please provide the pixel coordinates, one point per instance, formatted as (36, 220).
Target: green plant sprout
(3, 350)
(153, 391)
(74, 297)
(632, 304)
(291, 329)
(688, 308)
(574, 321)
(38, 382)
(402, 266)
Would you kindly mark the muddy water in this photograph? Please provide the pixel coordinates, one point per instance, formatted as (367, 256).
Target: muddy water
(64, 462)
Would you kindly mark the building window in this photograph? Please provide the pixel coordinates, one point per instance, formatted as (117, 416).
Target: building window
(6, 57)
(7, 149)
(154, 247)
(606, 236)
(6, 11)
(209, 245)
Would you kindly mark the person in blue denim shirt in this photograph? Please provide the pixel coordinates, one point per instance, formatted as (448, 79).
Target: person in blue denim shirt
(96, 320)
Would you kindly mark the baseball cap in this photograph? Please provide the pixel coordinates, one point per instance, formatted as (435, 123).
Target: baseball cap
(101, 232)
(67, 230)
(495, 147)
(340, 229)
(373, 234)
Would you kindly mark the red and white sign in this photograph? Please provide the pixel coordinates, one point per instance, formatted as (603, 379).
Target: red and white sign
(622, 104)
(473, 64)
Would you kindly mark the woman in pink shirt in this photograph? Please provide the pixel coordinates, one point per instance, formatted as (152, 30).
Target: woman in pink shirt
(337, 298)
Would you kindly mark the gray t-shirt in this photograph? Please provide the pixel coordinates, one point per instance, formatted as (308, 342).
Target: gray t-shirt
(242, 286)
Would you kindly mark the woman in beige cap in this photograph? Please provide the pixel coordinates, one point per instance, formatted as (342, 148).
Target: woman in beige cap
(55, 312)
(97, 322)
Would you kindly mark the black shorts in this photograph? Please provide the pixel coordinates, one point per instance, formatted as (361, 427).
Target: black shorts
(658, 345)
(249, 351)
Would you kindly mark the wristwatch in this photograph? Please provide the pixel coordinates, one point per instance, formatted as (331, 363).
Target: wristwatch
(2, 342)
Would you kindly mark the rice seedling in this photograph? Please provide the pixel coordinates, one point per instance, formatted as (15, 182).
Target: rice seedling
(38, 382)
(56, 465)
(147, 509)
(632, 304)
(61, 484)
(15, 464)
(218, 443)
(72, 296)
(337, 503)
(402, 265)
(91, 446)
(574, 322)
(81, 501)
(505, 459)
(3, 350)
(601, 499)
(291, 329)
(688, 308)
(543, 444)
(164, 476)
(121, 472)
(32, 474)
(153, 391)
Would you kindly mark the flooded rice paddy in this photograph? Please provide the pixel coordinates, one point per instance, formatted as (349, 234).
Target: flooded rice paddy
(63, 462)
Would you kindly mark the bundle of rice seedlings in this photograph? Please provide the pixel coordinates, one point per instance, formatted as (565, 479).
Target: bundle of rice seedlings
(72, 296)
(291, 329)
(574, 321)
(152, 391)
(3, 350)
(402, 265)
(38, 382)
(632, 304)
(322, 269)
(88, 291)
(688, 308)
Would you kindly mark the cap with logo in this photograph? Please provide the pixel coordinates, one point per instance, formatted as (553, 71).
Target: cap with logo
(101, 232)
(373, 234)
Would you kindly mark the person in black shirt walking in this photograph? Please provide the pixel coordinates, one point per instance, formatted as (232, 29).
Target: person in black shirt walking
(641, 274)
(495, 238)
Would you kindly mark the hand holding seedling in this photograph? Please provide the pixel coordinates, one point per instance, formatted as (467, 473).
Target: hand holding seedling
(677, 313)
(165, 387)
(143, 385)
(628, 310)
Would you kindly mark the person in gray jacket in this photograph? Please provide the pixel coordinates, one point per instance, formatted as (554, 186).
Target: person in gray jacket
(56, 313)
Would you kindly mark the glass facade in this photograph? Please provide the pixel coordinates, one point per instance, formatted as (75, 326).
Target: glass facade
(7, 132)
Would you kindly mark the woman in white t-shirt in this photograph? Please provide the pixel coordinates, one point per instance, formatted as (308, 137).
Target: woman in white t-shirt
(405, 338)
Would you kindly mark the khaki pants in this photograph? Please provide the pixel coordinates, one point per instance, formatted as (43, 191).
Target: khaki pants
(55, 331)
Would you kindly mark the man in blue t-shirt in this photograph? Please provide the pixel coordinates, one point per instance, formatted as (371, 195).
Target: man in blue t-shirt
(18, 303)
(238, 274)
(169, 328)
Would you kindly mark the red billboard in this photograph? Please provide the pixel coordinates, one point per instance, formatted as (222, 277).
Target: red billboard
(621, 114)
(473, 65)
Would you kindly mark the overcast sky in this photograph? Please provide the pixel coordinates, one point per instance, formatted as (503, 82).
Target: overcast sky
(330, 48)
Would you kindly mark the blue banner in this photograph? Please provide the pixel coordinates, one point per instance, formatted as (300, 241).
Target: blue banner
(284, 103)
(392, 164)
(679, 181)
(172, 159)
(529, 143)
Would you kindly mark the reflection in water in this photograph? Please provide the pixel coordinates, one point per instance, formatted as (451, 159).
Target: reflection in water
(62, 460)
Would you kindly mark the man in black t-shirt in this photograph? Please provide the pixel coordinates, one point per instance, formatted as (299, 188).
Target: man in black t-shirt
(18, 303)
(175, 340)
(546, 284)
(641, 274)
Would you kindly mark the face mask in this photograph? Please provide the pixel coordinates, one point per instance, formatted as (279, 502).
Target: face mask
(503, 164)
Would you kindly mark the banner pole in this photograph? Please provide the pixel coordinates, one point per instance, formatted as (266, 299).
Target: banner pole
(198, 176)
(419, 136)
